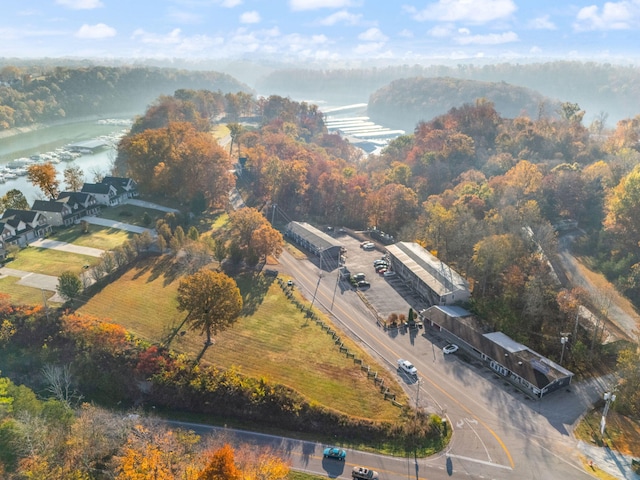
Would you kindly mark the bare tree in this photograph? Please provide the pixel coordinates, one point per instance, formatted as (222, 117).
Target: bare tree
(60, 385)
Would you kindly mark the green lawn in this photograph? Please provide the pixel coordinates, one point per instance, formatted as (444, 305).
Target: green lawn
(50, 262)
(132, 214)
(22, 295)
(104, 238)
(272, 340)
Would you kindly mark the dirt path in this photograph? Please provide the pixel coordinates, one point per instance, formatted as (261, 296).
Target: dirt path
(623, 319)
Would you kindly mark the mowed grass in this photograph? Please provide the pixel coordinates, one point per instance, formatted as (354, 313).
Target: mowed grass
(273, 340)
(104, 238)
(21, 295)
(143, 300)
(132, 214)
(50, 262)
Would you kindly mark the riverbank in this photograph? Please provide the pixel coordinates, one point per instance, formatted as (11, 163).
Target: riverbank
(65, 121)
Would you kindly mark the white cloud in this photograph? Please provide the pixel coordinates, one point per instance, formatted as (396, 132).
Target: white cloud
(368, 48)
(373, 35)
(405, 33)
(182, 16)
(99, 30)
(80, 4)
(298, 5)
(172, 38)
(542, 23)
(230, 3)
(441, 31)
(488, 39)
(613, 16)
(343, 16)
(472, 11)
(250, 17)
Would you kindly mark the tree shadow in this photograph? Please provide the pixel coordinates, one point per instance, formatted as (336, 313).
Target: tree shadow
(253, 289)
(173, 331)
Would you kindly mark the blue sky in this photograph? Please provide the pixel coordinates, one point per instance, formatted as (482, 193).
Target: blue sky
(323, 30)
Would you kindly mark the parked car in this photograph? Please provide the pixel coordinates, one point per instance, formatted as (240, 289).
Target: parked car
(369, 246)
(364, 473)
(407, 367)
(359, 276)
(335, 453)
(451, 348)
(363, 284)
(381, 270)
(389, 273)
(380, 262)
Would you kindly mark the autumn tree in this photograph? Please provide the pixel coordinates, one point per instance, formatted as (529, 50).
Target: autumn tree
(44, 177)
(69, 285)
(220, 466)
(73, 178)
(243, 223)
(212, 301)
(266, 241)
(623, 210)
(13, 199)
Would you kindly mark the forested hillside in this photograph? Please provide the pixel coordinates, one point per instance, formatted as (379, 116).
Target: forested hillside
(28, 96)
(609, 88)
(403, 103)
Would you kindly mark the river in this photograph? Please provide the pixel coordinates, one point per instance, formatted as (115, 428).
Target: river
(47, 139)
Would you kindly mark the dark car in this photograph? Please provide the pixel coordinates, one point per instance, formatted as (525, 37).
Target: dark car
(335, 453)
(363, 284)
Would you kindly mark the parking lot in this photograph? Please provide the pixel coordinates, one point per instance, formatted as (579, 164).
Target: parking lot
(387, 295)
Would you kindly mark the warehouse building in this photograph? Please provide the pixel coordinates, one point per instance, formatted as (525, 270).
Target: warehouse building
(325, 247)
(430, 278)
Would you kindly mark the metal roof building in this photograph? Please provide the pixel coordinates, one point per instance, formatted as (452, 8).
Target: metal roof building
(327, 248)
(429, 277)
(530, 371)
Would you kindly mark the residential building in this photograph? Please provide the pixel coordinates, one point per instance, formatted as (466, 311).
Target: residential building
(19, 227)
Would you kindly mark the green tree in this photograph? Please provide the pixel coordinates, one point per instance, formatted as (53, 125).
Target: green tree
(13, 199)
(69, 285)
(212, 300)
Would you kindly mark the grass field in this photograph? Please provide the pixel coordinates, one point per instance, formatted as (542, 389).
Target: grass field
(22, 295)
(132, 214)
(621, 434)
(272, 340)
(104, 238)
(50, 262)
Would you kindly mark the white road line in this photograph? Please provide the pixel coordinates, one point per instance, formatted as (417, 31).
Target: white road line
(483, 462)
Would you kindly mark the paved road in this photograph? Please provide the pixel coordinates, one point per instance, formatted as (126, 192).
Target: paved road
(498, 432)
(67, 247)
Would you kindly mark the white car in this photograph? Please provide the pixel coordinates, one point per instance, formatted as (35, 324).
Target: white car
(389, 273)
(451, 348)
(407, 367)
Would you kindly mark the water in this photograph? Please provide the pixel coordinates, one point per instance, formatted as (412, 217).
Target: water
(48, 139)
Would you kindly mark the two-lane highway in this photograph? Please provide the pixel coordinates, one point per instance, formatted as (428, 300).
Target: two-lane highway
(498, 432)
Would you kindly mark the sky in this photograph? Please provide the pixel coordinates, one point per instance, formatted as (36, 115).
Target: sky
(322, 30)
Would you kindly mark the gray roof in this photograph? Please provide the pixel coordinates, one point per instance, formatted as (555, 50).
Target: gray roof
(311, 234)
(99, 188)
(47, 206)
(441, 278)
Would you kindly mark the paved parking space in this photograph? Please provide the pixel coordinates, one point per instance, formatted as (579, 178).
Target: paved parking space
(386, 295)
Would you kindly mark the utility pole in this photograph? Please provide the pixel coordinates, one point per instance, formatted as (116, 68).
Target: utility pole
(563, 340)
(609, 398)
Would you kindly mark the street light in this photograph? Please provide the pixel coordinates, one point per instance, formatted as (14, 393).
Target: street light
(609, 398)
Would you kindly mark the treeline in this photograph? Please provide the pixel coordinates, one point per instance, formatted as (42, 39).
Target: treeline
(403, 103)
(597, 87)
(28, 97)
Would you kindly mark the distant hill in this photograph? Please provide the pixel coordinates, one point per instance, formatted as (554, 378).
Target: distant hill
(596, 87)
(403, 103)
(28, 97)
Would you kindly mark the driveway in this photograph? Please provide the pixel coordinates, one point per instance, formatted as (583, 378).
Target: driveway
(105, 222)
(154, 206)
(34, 280)
(67, 247)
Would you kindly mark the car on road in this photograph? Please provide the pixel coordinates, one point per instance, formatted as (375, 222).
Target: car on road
(335, 453)
(363, 473)
(451, 348)
(407, 367)
(389, 273)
